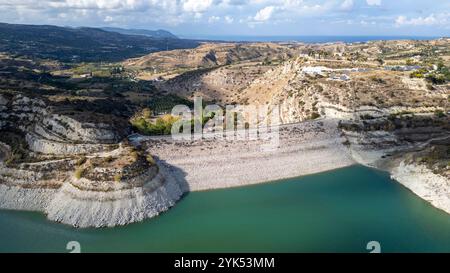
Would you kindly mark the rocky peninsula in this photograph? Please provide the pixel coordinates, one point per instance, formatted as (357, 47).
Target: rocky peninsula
(75, 172)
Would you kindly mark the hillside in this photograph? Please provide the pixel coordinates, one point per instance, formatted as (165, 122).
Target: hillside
(160, 33)
(383, 75)
(210, 55)
(80, 44)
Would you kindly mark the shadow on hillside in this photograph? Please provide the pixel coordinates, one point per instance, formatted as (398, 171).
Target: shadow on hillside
(175, 173)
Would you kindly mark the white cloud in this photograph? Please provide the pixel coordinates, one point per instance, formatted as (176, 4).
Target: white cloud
(441, 19)
(98, 4)
(373, 2)
(347, 5)
(182, 15)
(229, 19)
(213, 19)
(264, 14)
(292, 3)
(197, 6)
(108, 19)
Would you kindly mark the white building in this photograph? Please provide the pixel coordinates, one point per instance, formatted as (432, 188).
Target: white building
(314, 70)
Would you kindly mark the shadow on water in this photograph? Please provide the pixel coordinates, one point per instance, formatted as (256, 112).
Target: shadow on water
(337, 211)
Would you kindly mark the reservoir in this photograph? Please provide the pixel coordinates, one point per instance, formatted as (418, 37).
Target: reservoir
(336, 211)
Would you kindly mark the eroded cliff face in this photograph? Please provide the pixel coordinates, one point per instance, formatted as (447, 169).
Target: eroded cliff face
(307, 89)
(386, 117)
(79, 173)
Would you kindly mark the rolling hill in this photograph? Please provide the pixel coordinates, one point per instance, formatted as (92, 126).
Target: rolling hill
(81, 44)
(160, 33)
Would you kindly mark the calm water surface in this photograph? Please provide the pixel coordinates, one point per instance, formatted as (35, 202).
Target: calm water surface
(337, 211)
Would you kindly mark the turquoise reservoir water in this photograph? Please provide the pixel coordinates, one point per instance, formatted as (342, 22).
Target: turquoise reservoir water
(337, 211)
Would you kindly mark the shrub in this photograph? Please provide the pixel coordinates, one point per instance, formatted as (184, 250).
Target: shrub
(430, 87)
(162, 125)
(118, 177)
(436, 78)
(108, 159)
(135, 155)
(366, 117)
(439, 114)
(377, 80)
(315, 115)
(147, 113)
(81, 161)
(79, 172)
(416, 74)
(151, 160)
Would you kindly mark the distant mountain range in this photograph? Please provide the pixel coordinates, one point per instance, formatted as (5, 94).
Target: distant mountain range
(150, 33)
(83, 44)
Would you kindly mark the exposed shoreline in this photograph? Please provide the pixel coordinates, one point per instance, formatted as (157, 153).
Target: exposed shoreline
(431, 187)
(419, 179)
(306, 148)
(83, 209)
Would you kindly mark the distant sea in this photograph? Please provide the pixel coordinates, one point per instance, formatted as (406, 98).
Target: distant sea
(305, 39)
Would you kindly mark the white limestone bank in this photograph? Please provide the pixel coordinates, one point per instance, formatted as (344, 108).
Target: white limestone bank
(423, 182)
(82, 208)
(77, 173)
(303, 149)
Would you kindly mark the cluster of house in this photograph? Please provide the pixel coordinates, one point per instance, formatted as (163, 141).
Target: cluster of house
(334, 74)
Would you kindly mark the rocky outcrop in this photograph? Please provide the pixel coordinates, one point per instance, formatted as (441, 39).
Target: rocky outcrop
(401, 145)
(77, 172)
(87, 208)
(432, 187)
(53, 188)
(39, 144)
(39, 120)
(81, 208)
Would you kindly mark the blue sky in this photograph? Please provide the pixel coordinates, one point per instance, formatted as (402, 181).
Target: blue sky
(241, 17)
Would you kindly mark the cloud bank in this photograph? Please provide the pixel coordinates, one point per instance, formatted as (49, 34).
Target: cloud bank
(256, 17)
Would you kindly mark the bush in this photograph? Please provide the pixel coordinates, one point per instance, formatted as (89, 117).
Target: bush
(416, 74)
(81, 161)
(439, 114)
(436, 78)
(118, 178)
(162, 125)
(79, 172)
(366, 117)
(377, 80)
(135, 155)
(315, 115)
(147, 113)
(108, 159)
(151, 160)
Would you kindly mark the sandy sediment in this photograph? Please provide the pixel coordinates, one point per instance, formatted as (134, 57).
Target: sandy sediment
(305, 148)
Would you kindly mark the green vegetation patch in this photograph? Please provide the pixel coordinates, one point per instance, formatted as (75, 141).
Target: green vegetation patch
(19, 147)
(161, 126)
(165, 104)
